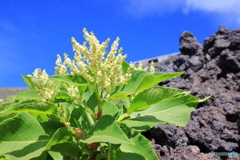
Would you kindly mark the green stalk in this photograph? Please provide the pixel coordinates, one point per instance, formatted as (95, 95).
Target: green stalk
(109, 151)
(68, 127)
(88, 110)
(96, 90)
(125, 115)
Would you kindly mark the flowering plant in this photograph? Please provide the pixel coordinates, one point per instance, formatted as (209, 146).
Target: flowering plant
(94, 107)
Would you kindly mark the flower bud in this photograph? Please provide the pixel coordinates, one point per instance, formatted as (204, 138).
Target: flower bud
(93, 146)
(78, 133)
(67, 124)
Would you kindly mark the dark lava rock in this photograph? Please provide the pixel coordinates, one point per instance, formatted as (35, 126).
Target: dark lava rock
(211, 69)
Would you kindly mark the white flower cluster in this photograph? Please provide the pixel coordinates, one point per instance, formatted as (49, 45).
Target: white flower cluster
(43, 81)
(72, 90)
(140, 67)
(152, 67)
(94, 64)
(42, 76)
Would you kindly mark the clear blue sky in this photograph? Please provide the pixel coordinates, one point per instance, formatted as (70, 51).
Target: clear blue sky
(33, 32)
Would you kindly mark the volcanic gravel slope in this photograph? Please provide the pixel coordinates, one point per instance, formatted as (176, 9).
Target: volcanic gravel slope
(211, 69)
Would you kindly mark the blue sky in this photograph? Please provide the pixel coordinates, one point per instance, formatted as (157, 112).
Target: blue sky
(32, 33)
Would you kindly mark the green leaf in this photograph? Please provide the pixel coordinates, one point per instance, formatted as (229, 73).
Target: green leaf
(22, 137)
(82, 119)
(106, 130)
(142, 123)
(114, 152)
(125, 66)
(5, 106)
(67, 149)
(26, 95)
(90, 99)
(110, 108)
(128, 156)
(81, 90)
(174, 111)
(141, 80)
(32, 82)
(131, 86)
(33, 105)
(4, 116)
(101, 156)
(155, 78)
(141, 147)
(63, 95)
(158, 101)
(48, 122)
(44, 156)
(148, 97)
(56, 155)
(76, 79)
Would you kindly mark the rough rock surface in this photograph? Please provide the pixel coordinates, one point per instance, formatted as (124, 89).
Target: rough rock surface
(211, 69)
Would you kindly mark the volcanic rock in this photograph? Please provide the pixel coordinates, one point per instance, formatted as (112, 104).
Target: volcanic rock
(210, 69)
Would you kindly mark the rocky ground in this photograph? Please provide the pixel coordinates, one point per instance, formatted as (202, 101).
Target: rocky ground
(211, 69)
(5, 93)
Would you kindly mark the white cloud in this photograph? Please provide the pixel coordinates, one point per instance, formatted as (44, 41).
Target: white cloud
(220, 6)
(227, 10)
(221, 10)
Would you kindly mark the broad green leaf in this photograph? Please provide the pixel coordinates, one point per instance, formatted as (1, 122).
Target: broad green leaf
(141, 80)
(81, 90)
(81, 118)
(43, 156)
(131, 86)
(63, 95)
(88, 93)
(4, 116)
(106, 130)
(5, 106)
(33, 105)
(156, 78)
(148, 97)
(141, 147)
(48, 122)
(125, 66)
(174, 111)
(90, 99)
(64, 111)
(26, 95)
(102, 156)
(128, 156)
(110, 108)
(32, 82)
(77, 80)
(127, 102)
(56, 155)
(67, 149)
(142, 123)
(114, 152)
(22, 137)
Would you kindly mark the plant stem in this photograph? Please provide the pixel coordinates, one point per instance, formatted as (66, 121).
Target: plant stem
(68, 127)
(109, 150)
(99, 99)
(88, 110)
(122, 117)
